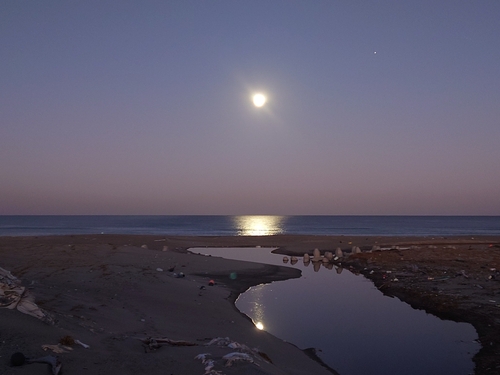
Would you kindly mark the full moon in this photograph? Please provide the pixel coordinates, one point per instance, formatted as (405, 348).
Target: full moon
(259, 100)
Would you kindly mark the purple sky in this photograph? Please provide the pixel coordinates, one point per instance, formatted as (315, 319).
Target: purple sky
(144, 107)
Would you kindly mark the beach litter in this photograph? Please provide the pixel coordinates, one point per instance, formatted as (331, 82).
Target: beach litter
(53, 361)
(85, 346)
(19, 359)
(59, 348)
(67, 341)
(240, 353)
(208, 362)
(15, 296)
(236, 357)
(153, 343)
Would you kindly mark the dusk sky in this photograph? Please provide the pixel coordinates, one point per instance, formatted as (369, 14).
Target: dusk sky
(144, 107)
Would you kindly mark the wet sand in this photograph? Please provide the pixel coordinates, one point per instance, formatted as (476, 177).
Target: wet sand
(113, 292)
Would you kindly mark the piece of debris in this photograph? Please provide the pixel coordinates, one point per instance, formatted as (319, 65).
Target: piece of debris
(53, 361)
(209, 363)
(155, 343)
(82, 344)
(15, 296)
(66, 340)
(237, 357)
(59, 349)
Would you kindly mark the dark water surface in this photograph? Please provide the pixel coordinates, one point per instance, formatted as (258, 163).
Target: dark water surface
(357, 329)
(190, 225)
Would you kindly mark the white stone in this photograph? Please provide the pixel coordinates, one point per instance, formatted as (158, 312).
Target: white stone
(316, 255)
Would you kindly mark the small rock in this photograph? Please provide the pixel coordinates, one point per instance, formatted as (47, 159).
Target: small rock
(316, 255)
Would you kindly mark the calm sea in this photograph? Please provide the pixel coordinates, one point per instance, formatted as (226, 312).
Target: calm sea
(251, 225)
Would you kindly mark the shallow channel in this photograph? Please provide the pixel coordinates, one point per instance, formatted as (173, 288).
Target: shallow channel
(354, 327)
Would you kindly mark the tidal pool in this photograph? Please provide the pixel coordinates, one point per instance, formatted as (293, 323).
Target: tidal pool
(355, 329)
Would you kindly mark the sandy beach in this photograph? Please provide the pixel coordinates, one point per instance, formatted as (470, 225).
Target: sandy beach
(122, 296)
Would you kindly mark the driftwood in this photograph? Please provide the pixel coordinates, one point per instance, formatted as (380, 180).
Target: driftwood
(155, 343)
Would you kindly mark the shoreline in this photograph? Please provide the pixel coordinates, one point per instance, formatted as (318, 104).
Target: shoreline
(51, 264)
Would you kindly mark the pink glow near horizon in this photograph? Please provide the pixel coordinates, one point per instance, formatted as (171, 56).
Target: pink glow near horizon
(145, 108)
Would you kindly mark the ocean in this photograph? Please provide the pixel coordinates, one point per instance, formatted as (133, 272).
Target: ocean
(249, 225)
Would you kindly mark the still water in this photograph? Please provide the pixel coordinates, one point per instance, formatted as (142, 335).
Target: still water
(356, 329)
